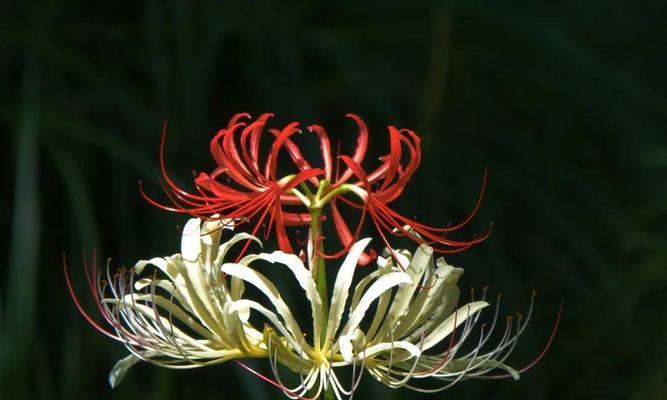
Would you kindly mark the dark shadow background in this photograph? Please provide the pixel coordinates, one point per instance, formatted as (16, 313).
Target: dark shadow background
(565, 104)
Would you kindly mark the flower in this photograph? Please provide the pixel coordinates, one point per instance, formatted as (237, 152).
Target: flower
(251, 194)
(179, 318)
(377, 188)
(241, 189)
(401, 325)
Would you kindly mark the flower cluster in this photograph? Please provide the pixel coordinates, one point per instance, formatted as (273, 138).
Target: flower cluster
(402, 322)
(241, 188)
(184, 315)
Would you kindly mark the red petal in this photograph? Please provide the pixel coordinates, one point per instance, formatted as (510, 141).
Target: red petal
(346, 237)
(394, 156)
(254, 131)
(360, 151)
(325, 148)
(272, 161)
(295, 154)
(235, 118)
(301, 177)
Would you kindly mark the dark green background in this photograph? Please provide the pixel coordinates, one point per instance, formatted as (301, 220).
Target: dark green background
(566, 104)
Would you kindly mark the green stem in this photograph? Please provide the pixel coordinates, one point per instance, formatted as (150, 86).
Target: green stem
(318, 267)
(328, 394)
(317, 263)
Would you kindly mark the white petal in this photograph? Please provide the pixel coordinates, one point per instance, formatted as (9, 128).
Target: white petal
(381, 285)
(119, 370)
(419, 264)
(342, 286)
(166, 265)
(191, 240)
(235, 328)
(242, 305)
(459, 365)
(211, 231)
(389, 346)
(305, 279)
(224, 247)
(265, 286)
(452, 322)
(382, 304)
(441, 300)
(204, 304)
(237, 287)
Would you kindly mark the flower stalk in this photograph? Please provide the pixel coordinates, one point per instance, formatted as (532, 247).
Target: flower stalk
(315, 203)
(317, 262)
(317, 265)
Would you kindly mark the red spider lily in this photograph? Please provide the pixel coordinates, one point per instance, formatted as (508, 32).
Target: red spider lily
(254, 192)
(380, 187)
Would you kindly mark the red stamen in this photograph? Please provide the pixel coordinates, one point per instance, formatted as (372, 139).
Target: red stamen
(539, 356)
(271, 381)
(78, 305)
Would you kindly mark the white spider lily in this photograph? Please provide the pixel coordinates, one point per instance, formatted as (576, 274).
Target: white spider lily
(179, 319)
(399, 325)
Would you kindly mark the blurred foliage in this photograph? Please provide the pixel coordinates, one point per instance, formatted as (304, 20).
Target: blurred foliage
(565, 103)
